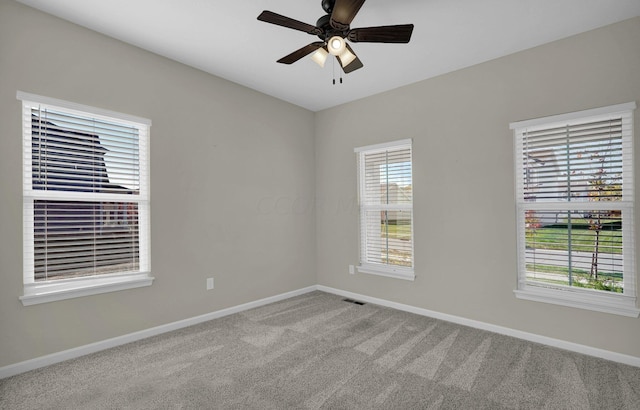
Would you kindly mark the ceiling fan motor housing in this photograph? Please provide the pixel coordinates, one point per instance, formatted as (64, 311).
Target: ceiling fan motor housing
(327, 6)
(328, 31)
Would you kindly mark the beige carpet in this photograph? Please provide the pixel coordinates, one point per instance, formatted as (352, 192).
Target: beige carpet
(317, 351)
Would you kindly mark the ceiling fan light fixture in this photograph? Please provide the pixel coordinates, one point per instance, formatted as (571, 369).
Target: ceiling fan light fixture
(334, 29)
(320, 56)
(336, 45)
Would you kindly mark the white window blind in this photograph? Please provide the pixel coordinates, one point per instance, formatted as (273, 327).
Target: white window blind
(386, 209)
(575, 204)
(86, 197)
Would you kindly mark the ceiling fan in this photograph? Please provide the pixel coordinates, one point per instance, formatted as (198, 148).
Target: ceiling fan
(333, 29)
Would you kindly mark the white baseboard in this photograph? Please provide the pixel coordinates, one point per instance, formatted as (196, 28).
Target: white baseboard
(531, 337)
(58, 357)
(12, 370)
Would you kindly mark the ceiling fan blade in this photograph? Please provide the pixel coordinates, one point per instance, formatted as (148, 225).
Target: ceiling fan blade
(352, 66)
(343, 13)
(298, 54)
(382, 34)
(280, 20)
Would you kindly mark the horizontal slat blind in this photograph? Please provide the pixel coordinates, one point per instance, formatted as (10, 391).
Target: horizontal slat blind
(573, 162)
(574, 190)
(386, 202)
(86, 194)
(387, 178)
(563, 247)
(576, 161)
(84, 238)
(69, 153)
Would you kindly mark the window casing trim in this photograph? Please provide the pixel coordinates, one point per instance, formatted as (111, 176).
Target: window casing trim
(579, 298)
(614, 303)
(386, 270)
(82, 109)
(60, 289)
(398, 144)
(50, 291)
(568, 118)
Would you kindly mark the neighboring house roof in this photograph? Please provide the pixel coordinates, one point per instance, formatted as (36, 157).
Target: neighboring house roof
(69, 160)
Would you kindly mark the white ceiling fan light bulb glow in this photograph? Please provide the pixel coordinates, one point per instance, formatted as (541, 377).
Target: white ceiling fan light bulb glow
(336, 45)
(320, 56)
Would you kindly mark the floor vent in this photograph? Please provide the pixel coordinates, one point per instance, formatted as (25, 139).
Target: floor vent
(355, 302)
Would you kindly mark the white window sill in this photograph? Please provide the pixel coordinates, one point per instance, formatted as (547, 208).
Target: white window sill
(51, 291)
(598, 301)
(388, 271)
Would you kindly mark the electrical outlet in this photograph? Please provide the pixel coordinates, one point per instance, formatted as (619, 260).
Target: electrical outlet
(352, 270)
(209, 283)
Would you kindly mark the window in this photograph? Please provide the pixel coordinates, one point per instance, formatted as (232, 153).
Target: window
(86, 200)
(575, 207)
(386, 209)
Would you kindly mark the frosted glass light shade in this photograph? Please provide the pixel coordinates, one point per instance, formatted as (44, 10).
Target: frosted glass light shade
(320, 56)
(346, 57)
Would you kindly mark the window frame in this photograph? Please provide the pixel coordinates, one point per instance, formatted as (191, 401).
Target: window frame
(381, 269)
(36, 292)
(583, 298)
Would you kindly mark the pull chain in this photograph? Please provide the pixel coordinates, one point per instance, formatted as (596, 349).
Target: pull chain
(333, 71)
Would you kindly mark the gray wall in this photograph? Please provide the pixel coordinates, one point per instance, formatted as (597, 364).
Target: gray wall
(465, 233)
(227, 163)
(235, 172)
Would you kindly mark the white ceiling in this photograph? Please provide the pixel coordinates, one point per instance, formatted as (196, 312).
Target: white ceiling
(225, 38)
